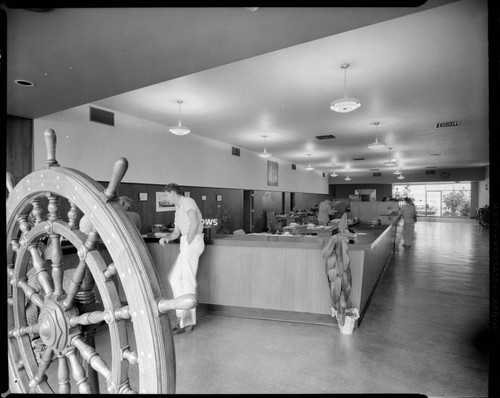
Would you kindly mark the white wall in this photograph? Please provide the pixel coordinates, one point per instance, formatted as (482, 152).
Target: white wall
(412, 176)
(156, 156)
(484, 189)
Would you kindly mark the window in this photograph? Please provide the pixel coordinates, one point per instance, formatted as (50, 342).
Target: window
(440, 199)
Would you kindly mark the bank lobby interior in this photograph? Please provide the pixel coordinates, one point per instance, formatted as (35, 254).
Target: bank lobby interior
(262, 81)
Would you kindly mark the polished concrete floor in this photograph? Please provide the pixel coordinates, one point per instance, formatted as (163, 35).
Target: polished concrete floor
(425, 332)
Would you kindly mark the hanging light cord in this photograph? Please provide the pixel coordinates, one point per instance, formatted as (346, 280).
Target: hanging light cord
(345, 82)
(179, 102)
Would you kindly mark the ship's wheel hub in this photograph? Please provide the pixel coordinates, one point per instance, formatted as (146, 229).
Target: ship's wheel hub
(54, 329)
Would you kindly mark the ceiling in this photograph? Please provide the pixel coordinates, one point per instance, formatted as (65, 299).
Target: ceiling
(243, 74)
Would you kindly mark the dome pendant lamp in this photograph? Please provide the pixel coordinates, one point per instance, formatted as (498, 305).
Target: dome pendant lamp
(376, 145)
(179, 129)
(391, 162)
(309, 167)
(265, 154)
(346, 104)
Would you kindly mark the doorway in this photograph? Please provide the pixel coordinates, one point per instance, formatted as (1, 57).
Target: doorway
(248, 211)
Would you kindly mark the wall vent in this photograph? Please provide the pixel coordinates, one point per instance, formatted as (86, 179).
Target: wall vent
(431, 167)
(235, 151)
(325, 137)
(377, 174)
(448, 124)
(430, 171)
(358, 159)
(294, 166)
(102, 116)
(323, 174)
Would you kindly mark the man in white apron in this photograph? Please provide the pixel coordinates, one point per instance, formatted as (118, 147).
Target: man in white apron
(189, 227)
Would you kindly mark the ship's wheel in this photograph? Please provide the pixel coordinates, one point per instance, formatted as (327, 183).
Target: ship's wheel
(54, 313)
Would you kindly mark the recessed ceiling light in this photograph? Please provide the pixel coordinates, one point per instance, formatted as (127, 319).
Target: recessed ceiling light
(24, 83)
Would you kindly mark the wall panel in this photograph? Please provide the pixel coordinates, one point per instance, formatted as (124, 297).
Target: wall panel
(19, 146)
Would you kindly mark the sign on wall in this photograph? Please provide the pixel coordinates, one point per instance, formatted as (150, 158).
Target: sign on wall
(162, 202)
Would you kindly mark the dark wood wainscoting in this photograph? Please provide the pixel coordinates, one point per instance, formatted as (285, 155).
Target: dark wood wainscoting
(19, 147)
(231, 204)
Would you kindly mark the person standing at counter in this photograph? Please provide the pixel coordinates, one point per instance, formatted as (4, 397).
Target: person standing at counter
(409, 216)
(189, 227)
(325, 211)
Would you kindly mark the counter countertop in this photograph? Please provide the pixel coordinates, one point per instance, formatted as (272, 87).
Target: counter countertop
(367, 238)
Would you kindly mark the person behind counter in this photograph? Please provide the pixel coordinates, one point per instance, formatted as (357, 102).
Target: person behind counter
(126, 203)
(325, 211)
(409, 216)
(189, 227)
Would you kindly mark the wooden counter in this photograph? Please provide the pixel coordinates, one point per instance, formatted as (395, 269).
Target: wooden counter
(279, 277)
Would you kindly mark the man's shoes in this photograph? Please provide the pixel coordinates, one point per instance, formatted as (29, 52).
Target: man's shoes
(179, 330)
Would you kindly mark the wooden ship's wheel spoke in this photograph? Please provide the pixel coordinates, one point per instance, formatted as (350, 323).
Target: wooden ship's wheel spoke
(44, 365)
(63, 374)
(56, 310)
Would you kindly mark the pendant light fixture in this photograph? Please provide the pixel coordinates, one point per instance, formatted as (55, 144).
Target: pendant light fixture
(400, 177)
(391, 162)
(347, 178)
(179, 129)
(346, 104)
(333, 174)
(309, 167)
(397, 171)
(376, 145)
(265, 154)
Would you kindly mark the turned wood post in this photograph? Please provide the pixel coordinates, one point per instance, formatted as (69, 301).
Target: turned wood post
(119, 170)
(50, 143)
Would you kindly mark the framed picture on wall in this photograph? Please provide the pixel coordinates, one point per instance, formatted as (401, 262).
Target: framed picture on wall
(272, 173)
(143, 196)
(162, 203)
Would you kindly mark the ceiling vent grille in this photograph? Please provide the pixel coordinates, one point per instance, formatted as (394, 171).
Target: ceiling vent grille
(377, 174)
(102, 116)
(374, 169)
(358, 159)
(235, 151)
(325, 137)
(430, 171)
(448, 124)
